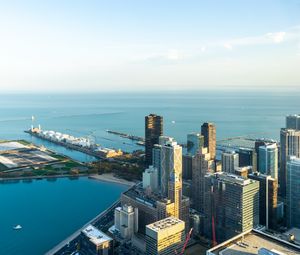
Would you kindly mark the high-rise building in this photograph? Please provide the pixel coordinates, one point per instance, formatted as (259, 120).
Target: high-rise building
(231, 205)
(195, 141)
(293, 122)
(150, 179)
(95, 242)
(258, 143)
(289, 146)
(208, 130)
(153, 130)
(293, 192)
(268, 160)
(165, 237)
(246, 157)
(171, 165)
(126, 221)
(202, 164)
(230, 161)
(268, 190)
(187, 167)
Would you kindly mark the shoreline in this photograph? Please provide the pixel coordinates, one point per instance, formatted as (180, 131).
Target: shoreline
(109, 177)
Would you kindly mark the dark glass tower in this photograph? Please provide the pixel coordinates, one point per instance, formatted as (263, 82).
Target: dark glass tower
(153, 130)
(208, 130)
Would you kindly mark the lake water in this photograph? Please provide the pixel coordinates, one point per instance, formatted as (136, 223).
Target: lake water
(49, 211)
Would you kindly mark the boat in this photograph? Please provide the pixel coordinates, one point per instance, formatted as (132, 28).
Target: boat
(17, 227)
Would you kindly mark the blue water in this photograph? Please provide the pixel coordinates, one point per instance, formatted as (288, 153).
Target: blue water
(235, 113)
(49, 211)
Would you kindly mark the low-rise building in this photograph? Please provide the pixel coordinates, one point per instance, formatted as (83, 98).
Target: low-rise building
(95, 242)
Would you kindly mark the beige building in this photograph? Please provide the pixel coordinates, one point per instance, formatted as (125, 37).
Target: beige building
(208, 130)
(165, 237)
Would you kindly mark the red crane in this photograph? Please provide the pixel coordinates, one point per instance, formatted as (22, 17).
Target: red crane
(214, 241)
(185, 243)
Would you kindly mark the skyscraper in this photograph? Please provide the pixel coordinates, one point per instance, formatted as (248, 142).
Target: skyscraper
(289, 146)
(153, 130)
(208, 130)
(268, 160)
(194, 142)
(268, 190)
(165, 237)
(171, 173)
(293, 121)
(201, 165)
(231, 205)
(230, 161)
(293, 192)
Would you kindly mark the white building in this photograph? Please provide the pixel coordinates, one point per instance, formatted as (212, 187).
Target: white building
(230, 161)
(126, 221)
(150, 178)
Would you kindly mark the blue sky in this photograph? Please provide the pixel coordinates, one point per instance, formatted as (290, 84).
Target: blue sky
(148, 45)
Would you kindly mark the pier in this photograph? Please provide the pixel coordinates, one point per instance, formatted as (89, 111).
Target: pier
(92, 150)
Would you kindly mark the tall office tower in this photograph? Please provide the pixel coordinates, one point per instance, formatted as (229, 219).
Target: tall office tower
(231, 205)
(165, 237)
(187, 167)
(126, 221)
(268, 190)
(293, 192)
(153, 130)
(202, 164)
(195, 141)
(171, 165)
(258, 143)
(230, 161)
(293, 122)
(208, 130)
(150, 179)
(289, 146)
(268, 160)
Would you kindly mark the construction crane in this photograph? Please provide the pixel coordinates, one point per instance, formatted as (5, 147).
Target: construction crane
(214, 240)
(185, 243)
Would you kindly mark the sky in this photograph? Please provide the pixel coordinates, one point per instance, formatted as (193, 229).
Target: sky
(141, 45)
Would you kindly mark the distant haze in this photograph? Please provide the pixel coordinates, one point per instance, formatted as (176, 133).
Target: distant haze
(148, 45)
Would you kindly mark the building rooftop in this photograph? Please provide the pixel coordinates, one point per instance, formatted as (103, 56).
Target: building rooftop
(232, 178)
(253, 241)
(164, 224)
(95, 235)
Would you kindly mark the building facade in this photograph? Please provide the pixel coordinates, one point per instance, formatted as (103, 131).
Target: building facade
(268, 190)
(195, 141)
(208, 130)
(230, 161)
(293, 192)
(126, 221)
(202, 164)
(289, 146)
(231, 205)
(268, 160)
(293, 122)
(153, 130)
(165, 237)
